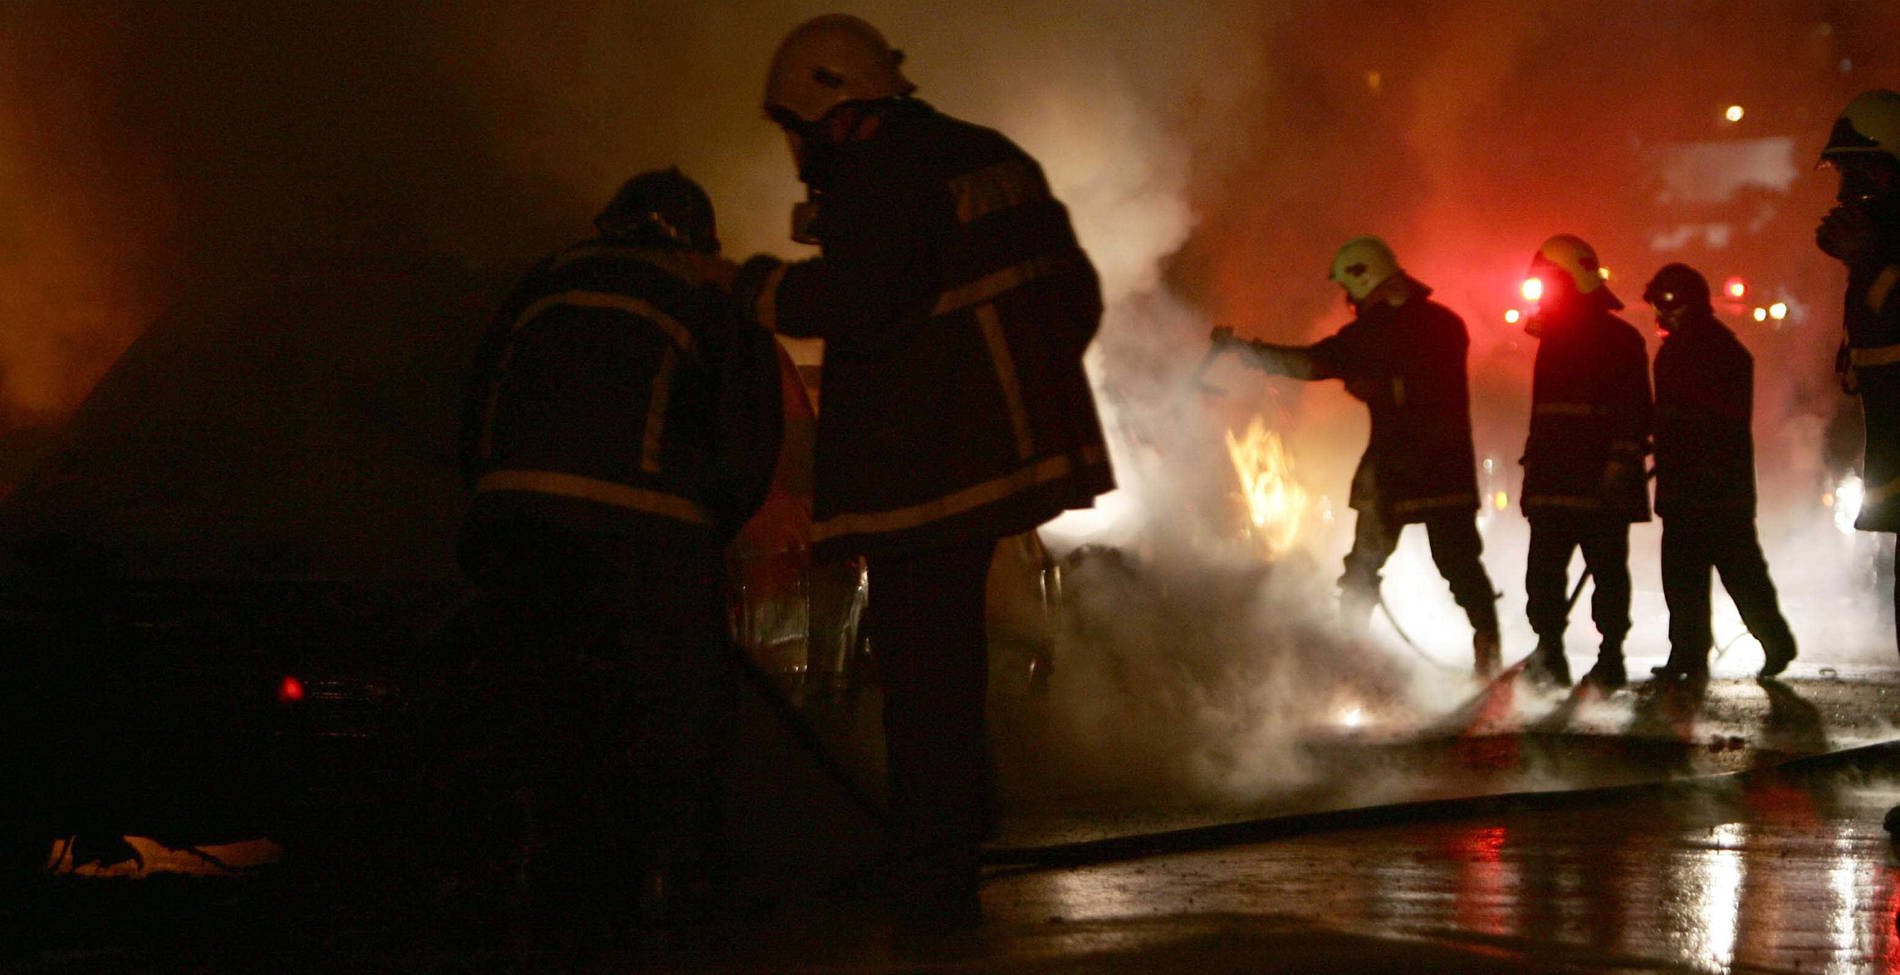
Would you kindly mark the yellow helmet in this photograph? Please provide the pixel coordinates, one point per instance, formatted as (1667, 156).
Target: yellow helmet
(1576, 259)
(1567, 257)
(1362, 264)
(1869, 124)
(827, 61)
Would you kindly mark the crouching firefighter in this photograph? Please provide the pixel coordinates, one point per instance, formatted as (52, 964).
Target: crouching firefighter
(1705, 478)
(955, 305)
(1584, 482)
(1404, 357)
(622, 425)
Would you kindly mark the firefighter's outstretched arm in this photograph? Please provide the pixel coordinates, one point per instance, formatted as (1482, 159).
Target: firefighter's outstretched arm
(1295, 361)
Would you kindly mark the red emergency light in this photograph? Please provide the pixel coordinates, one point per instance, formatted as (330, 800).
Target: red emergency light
(1735, 288)
(290, 689)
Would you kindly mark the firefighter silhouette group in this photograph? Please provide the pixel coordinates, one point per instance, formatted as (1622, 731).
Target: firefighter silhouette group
(1594, 423)
(624, 422)
(1596, 420)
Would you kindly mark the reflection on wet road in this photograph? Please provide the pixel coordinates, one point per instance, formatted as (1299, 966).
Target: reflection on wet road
(1778, 872)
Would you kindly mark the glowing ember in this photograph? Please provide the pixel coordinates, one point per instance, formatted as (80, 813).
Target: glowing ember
(1275, 502)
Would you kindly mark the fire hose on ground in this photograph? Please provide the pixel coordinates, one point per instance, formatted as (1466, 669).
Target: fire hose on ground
(1878, 756)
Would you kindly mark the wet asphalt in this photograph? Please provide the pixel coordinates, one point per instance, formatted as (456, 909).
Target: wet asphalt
(1733, 827)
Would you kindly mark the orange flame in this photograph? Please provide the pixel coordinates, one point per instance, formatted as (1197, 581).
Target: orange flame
(1275, 502)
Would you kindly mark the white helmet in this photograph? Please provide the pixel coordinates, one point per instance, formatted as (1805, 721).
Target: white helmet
(1362, 264)
(1869, 124)
(827, 61)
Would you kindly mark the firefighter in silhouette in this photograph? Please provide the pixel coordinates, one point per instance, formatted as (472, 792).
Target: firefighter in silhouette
(955, 305)
(622, 424)
(1705, 478)
(1583, 461)
(1404, 356)
(1863, 232)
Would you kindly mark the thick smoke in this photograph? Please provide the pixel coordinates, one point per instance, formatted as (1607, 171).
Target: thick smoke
(1213, 156)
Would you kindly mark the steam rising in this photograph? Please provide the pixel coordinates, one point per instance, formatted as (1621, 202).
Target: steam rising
(1212, 155)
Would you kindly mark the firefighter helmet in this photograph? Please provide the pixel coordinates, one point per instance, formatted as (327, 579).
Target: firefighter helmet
(1573, 259)
(661, 206)
(828, 61)
(1677, 285)
(1362, 264)
(1870, 124)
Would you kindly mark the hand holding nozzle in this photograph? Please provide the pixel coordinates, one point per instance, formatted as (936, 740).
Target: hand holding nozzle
(1275, 360)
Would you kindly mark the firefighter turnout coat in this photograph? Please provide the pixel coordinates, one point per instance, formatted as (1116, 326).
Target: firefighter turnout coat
(1705, 452)
(955, 305)
(1406, 362)
(618, 393)
(1590, 418)
(1872, 369)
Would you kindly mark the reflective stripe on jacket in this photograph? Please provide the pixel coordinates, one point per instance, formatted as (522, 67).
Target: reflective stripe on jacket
(1590, 406)
(1872, 314)
(1407, 362)
(604, 393)
(956, 306)
(1705, 451)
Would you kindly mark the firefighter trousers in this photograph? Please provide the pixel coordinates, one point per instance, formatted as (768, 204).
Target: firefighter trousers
(1691, 547)
(926, 620)
(1606, 554)
(596, 693)
(1456, 550)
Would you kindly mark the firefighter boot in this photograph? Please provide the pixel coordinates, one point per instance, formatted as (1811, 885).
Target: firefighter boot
(1608, 673)
(1776, 653)
(1685, 666)
(1547, 664)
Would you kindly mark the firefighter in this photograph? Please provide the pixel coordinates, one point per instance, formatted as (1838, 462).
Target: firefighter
(1583, 462)
(955, 305)
(1863, 232)
(623, 423)
(1404, 356)
(1705, 478)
